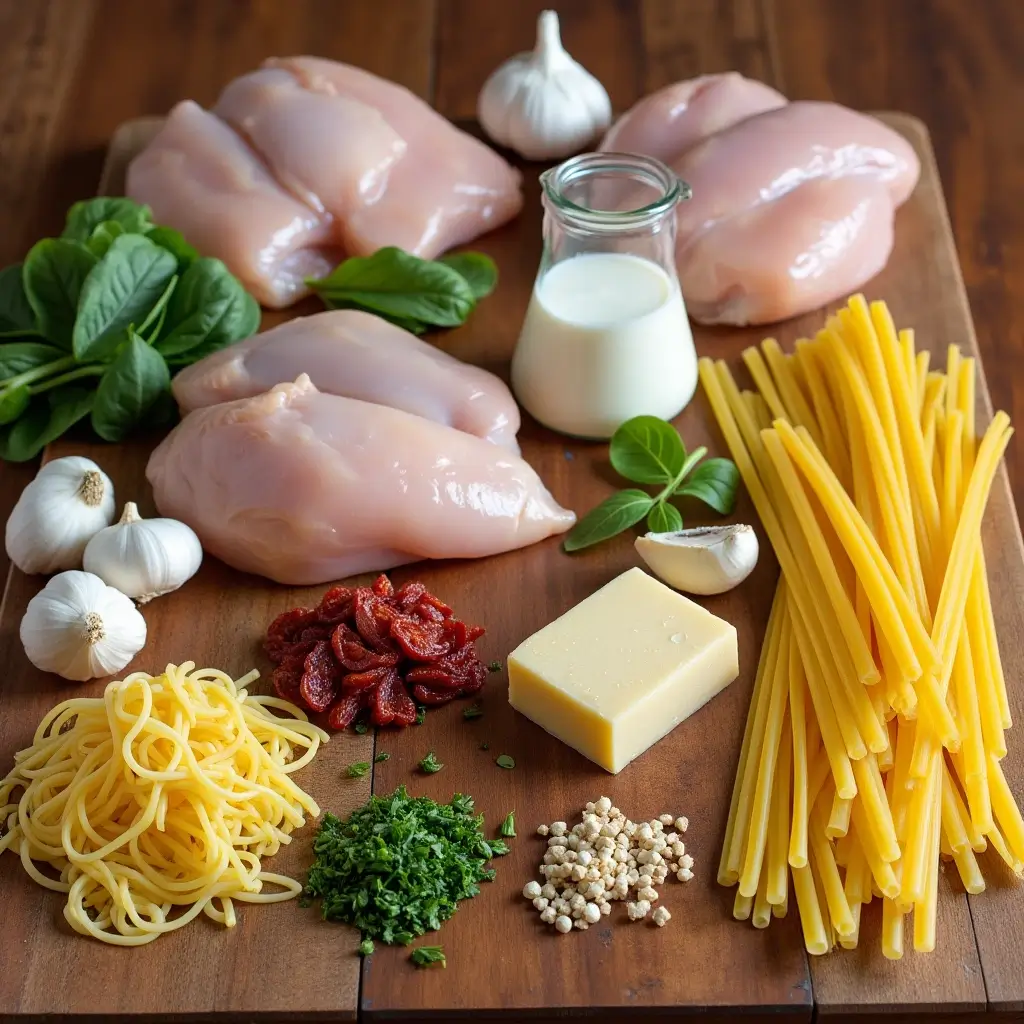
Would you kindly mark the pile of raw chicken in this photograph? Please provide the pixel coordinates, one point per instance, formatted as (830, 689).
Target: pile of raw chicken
(338, 443)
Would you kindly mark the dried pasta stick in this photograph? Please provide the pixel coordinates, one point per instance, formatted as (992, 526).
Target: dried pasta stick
(871, 791)
(832, 435)
(850, 941)
(989, 711)
(798, 410)
(952, 821)
(857, 884)
(892, 930)
(925, 911)
(993, 646)
(1000, 846)
(762, 913)
(881, 871)
(798, 723)
(919, 837)
(838, 824)
(763, 380)
(952, 378)
(781, 909)
(966, 402)
(824, 865)
(970, 873)
(815, 937)
(742, 906)
(978, 800)
(1011, 824)
(921, 366)
(776, 871)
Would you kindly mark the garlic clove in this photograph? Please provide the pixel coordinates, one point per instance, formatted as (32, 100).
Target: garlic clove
(543, 104)
(80, 628)
(69, 501)
(144, 558)
(705, 560)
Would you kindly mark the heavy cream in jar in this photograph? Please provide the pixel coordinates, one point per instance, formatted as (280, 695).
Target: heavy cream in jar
(606, 336)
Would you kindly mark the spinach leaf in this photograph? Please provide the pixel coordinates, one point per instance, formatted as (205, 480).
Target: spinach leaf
(174, 242)
(46, 419)
(664, 518)
(120, 291)
(103, 237)
(209, 308)
(54, 276)
(647, 450)
(16, 315)
(612, 516)
(131, 385)
(19, 356)
(714, 482)
(425, 956)
(153, 324)
(13, 402)
(396, 284)
(479, 271)
(84, 217)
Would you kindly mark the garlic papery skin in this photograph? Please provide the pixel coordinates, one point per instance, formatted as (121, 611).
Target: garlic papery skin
(80, 628)
(69, 501)
(705, 560)
(144, 558)
(543, 104)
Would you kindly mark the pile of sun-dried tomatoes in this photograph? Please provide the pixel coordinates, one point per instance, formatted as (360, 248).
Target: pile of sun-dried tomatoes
(374, 648)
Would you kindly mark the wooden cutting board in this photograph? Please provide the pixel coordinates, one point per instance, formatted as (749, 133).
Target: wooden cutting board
(283, 963)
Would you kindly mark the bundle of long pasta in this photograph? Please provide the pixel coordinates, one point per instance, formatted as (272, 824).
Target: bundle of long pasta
(164, 793)
(873, 743)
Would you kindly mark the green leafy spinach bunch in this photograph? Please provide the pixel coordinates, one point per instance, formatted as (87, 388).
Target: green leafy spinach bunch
(95, 322)
(647, 450)
(398, 866)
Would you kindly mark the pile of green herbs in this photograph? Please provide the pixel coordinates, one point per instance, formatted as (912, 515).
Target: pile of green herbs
(94, 323)
(398, 866)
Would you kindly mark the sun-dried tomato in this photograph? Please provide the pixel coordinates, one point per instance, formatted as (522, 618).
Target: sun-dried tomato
(367, 647)
(344, 712)
(391, 702)
(320, 678)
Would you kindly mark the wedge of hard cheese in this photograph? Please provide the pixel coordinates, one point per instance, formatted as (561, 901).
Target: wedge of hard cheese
(622, 669)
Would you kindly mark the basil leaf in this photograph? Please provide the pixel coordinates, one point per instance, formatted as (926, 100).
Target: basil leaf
(18, 356)
(209, 308)
(13, 402)
(612, 516)
(174, 242)
(44, 421)
(154, 321)
(103, 237)
(16, 315)
(480, 272)
(131, 385)
(664, 518)
(394, 283)
(714, 482)
(647, 450)
(84, 217)
(120, 291)
(54, 276)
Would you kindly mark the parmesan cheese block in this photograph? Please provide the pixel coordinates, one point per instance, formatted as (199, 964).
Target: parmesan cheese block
(622, 669)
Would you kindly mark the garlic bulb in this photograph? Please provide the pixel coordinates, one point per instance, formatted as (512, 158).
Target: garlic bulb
(69, 500)
(144, 558)
(543, 104)
(705, 560)
(80, 628)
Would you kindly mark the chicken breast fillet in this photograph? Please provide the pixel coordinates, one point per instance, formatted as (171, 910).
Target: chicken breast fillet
(305, 161)
(305, 488)
(666, 123)
(356, 355)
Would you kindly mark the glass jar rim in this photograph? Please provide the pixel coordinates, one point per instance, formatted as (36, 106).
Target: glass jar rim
(642, 168)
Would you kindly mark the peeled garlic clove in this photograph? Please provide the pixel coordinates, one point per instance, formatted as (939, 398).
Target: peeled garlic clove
(704, 560)
(80, 628)
(144, 558)
(543, 104)
(69, 501)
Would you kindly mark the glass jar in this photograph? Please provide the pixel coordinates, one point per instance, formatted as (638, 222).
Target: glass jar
(606, 336)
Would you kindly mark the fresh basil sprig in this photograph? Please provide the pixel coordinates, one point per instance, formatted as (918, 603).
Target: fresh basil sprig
(648, 450)
(414, 293)
(94, 323)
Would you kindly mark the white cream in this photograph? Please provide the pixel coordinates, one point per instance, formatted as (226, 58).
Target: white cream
(606, 338)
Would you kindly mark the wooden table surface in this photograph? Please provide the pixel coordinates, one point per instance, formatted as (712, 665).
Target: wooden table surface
(72, 70)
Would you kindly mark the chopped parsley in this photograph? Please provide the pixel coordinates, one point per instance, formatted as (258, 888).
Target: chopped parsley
(495, 666)
(382, 756)
(366, 947)
(357, 770)
(421, 714)
(397, 867)
(361, 728)
(430, 764)
(504, 761)
(508, 827)
(427, 955)
(473, 711)
(485, 745)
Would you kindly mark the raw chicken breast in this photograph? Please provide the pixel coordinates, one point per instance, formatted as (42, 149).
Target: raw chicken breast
(764, 157)
(304, 487)
(668, 122)
(356, 355)
(201, 178)
(448, 190)
(810, 246)
(321, 160)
